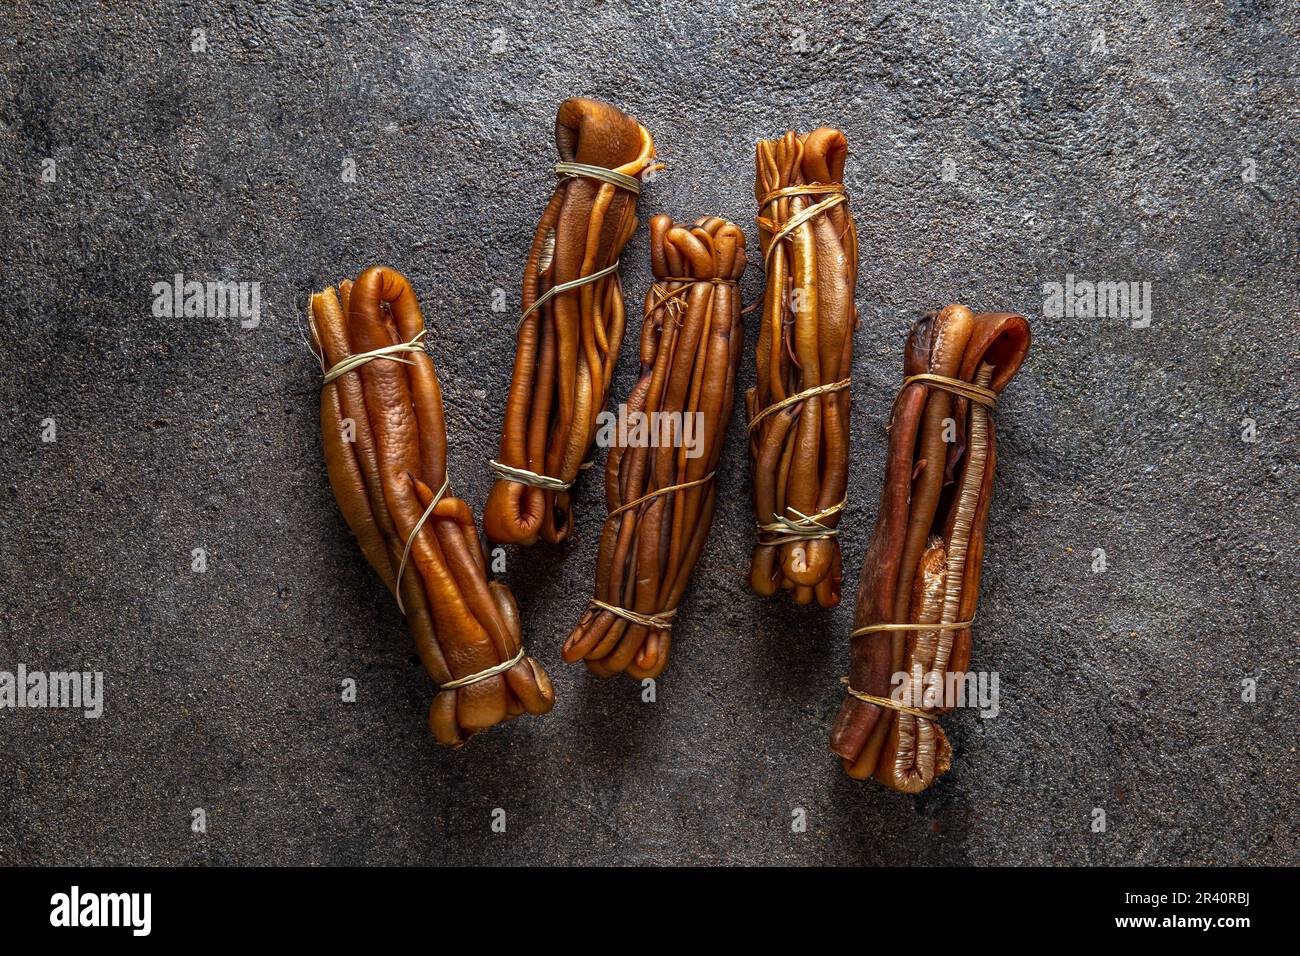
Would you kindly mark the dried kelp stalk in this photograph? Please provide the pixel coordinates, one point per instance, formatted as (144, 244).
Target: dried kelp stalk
(799, 406)
(386, 452)
(659, 486)
(920, 580)
(572, 325)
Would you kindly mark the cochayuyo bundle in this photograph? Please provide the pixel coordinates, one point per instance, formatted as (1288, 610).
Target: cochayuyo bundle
(386, 453)
(920, 581)
(799, 405)
(572, 326)
(385, 446)
(660, 488)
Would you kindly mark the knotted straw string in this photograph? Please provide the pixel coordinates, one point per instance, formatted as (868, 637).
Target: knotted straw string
(889, 702)
(664, 297)
(406, 552)
(662, 620)
(611, 176)
(967, 390)
(492, 671)
(531, 478)
(799, 397)
(802, 527)
(401, 568)
(578, 171)
(388, 353)
(837, 197)
(891, 628)
(565, 287)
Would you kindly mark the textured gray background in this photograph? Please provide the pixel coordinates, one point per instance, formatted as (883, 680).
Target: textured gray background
(1119, 690)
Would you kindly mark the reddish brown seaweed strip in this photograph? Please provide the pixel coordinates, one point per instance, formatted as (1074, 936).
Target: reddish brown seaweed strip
(383, 430)
(799, 407)
(661, 496)
(928, 544)
(568, 339)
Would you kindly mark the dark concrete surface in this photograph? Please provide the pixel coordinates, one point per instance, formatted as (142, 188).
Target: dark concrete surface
(1120, 690)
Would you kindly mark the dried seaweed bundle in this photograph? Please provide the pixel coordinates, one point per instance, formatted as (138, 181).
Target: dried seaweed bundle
(572, 325)
(920, 579)
(385, 450)
(660, 492)
(799, 406)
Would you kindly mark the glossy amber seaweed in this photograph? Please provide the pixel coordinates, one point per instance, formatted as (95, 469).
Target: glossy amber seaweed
(799, 454)
(386, 453)
(566, 349)
(691, 342)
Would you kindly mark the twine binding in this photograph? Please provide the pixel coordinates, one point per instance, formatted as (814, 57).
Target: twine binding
(523, 476)
(564, 287)
(604, 174)
(492, 671)
(576, 171)
(874, 628)
(662, 620)
(659, 491)
(401, 568)
(799, 397)
(406, 551)
(388, 353)
(809, 189)
(837, 195)
(889, 702)
(802, 527)
(663, 297)
(967, 390)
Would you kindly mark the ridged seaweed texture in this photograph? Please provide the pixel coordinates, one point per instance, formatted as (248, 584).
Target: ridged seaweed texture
(799, 405)
(660, 490)
(385, 441)
(568, 341)
(923, 563)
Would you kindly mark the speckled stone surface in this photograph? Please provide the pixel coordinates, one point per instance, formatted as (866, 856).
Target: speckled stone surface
(995, 148)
